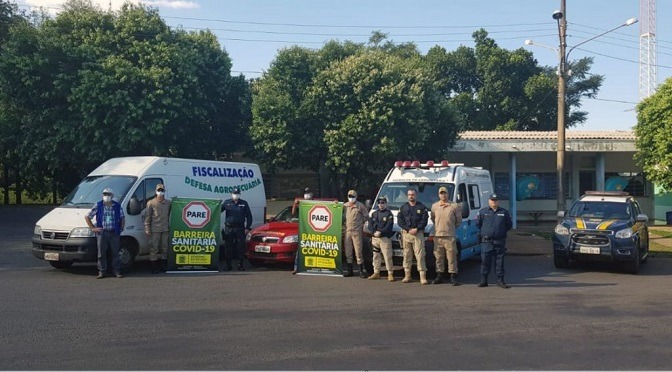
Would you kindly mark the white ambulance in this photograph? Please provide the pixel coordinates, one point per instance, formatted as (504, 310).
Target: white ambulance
(470, 186)
(62, 237)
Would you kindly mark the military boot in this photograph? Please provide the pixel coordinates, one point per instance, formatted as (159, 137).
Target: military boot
(423, 277)
(362, 272)
(390, 276)
(241, 265)
(164, 266)
(375, 275)
(407, 276)
(439, 278)
(453, 280)
(228, 266)
(348, 272)
(484, 281)
(154, 266)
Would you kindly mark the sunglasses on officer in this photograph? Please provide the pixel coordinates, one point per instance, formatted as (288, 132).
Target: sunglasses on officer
(162, 190)
(382, 202)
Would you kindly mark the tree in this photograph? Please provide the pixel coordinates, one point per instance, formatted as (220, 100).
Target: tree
(322, 108)
(653, 142)
(491, 88)
(89, 85)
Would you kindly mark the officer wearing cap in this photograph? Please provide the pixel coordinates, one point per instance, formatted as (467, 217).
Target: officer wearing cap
(381, 225)
(237, 223)
(494, 222)
(355, 215)
(157, 226)
(412, 220)
(110, 221)
(446, 216)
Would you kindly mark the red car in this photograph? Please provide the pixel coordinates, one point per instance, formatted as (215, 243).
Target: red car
(277, 240)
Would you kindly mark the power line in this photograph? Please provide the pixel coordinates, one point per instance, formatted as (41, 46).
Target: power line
(612, 100)
(627, 46)
(617, 33)
(618, 58)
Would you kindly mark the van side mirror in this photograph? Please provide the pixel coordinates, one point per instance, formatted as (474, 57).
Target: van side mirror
(465, 209)
(134, 207)
(642, 218)
(561, 214)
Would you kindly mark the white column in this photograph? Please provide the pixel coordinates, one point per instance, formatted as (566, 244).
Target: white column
(599, 171)
(513, 203)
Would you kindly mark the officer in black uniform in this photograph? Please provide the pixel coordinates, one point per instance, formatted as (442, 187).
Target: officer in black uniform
(494, 221)
(412, 220)
(237, 224)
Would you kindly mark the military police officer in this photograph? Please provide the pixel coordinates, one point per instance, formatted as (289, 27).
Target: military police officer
(446, 216)
(237, 224)
(494, 221)
(355, 215)
(381, 225)
(412, 220)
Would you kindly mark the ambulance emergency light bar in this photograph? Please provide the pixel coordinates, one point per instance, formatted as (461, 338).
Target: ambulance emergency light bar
(416, 164)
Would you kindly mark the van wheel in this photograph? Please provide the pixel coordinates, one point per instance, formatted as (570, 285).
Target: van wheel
(560, 262)
(127, 254)
(61, 264)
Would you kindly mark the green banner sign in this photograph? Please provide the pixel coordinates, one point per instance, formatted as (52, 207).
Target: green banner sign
(320, 226)
(195, 235)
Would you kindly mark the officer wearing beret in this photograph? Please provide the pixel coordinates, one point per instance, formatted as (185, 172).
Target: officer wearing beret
(237, 223)
(494, 222)
(381, 225)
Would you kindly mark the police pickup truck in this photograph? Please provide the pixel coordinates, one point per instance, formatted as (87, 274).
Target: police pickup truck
(602, 226)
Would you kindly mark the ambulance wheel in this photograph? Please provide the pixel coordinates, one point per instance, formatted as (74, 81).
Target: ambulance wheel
(561, 262)
(127, 253)
(61, 264)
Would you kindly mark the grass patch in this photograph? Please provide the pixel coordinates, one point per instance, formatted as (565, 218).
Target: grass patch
(661, 232)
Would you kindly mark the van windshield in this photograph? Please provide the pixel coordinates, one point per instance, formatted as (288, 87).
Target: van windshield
(428, 193)
(90, 190)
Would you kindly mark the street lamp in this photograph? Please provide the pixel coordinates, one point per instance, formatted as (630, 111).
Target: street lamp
(561, 17)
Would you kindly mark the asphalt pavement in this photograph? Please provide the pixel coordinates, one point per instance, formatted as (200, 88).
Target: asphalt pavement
(588, 317)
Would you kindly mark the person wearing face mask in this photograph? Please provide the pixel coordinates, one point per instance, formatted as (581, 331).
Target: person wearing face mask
(237, 223)
(381, 223)
(157, 225)
(412, 220)
(307, 195)
(355, 215)
(110, 221)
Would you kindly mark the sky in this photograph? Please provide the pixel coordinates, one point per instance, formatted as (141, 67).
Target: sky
(252, 32)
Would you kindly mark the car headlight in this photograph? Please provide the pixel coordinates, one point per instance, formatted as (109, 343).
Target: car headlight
(290, 239)
(624, 234)
(82, 232)
(561, 230)
(37, 230)
(248, 237)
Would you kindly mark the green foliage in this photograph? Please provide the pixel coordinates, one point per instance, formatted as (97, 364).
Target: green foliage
(88, 85)
(352, 108)
(491, 88)
(654, 143)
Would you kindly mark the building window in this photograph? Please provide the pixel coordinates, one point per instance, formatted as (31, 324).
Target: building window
(547, 188)
(636, 182)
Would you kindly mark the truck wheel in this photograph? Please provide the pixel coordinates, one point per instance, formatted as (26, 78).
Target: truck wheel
(632, 267)
(127, 254)
(560, 262)
(61, 264)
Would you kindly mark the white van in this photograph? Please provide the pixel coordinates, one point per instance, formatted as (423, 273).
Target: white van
(470, 186)
(63, 238)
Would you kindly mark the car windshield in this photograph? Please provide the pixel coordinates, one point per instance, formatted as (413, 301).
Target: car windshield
(428, 193)
(90, 190)
(286, 216)
(603, 210)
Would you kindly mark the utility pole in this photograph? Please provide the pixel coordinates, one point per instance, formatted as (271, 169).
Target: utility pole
(562, 70)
